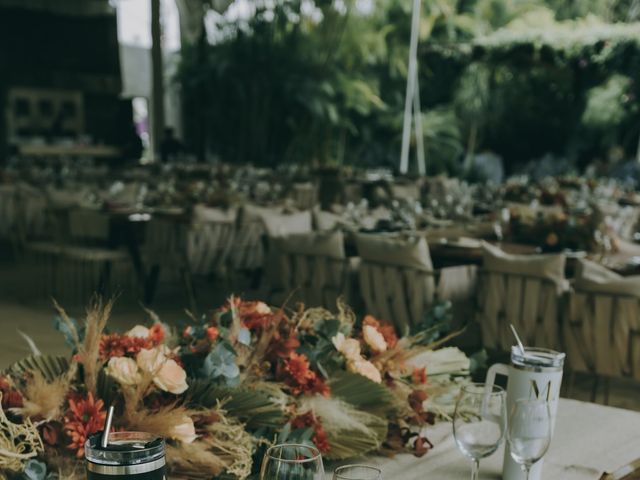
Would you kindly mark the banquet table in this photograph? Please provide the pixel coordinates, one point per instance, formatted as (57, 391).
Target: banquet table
(589, 439)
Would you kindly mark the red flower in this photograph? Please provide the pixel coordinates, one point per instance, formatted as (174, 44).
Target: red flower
(419, 376)
(320, 439)
(11, 398)
(118, 345)
(156, 333)
(51, 432)
(385, 328)
(300, 378)
(253, 315)
(85, 417)
(212, 334)
(187, 331)
(283, 344)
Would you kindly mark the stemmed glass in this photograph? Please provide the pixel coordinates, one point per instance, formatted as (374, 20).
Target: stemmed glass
(479, 422)
(529, 432)
(292, 462)
(357, 472)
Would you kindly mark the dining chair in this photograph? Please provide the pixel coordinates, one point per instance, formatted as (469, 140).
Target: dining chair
(311, 268)
(199, 247)
(520, 290)
(397, 281)
(601, 330)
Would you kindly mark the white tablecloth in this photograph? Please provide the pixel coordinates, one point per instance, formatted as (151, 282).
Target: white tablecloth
(589, 439)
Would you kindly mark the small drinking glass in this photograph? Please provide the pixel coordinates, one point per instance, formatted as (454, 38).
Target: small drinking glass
(479, 422)
(292, 462)
(357, 472)
(529, 432)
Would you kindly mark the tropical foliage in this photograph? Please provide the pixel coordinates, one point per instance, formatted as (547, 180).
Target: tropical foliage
(323, 81)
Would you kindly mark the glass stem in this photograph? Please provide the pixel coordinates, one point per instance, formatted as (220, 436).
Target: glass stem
(527, 469)
(475, 469)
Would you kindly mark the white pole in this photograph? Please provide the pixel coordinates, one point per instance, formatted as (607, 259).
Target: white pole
(411, 86)
(422, 169)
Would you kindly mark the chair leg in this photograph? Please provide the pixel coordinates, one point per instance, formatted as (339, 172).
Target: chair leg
(190, 288)
(607, 388)
(594, 390)
(150, 284)
(103, 281)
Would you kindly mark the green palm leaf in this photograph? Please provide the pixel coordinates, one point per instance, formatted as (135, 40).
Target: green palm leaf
(253, 407)
(362, 393)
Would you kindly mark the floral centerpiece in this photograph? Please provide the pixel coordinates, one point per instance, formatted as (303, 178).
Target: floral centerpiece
(223, 387)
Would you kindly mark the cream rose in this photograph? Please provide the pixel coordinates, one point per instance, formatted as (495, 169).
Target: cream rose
(185, 431)
(171, 378)
(151, 360)
(262, 308)
(124, 370)
(366, 369)
(374, 339)
(349, 347)
(138, 331)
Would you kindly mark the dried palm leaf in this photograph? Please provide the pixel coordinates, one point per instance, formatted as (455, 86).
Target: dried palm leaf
(43, 400)
(49, 366)
(351, 432)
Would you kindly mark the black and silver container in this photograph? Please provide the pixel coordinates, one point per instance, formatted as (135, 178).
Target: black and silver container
(129, 455)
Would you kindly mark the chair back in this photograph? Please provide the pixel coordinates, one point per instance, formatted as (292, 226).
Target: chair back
(88, 226)
(248, 252)
(165, 242)
(523, 290)
(602, 328)
(208, 242)
(396, 279)
(309, 267)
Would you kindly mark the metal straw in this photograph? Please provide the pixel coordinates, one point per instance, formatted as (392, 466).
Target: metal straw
(520, 345)
(107, 428)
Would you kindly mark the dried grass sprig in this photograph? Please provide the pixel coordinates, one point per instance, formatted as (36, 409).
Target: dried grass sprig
(98, 314)
(161, 422)
(44, 400)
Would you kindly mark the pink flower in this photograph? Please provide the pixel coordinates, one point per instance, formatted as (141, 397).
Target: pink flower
(139, 331)
(171, 378)
(349, 347)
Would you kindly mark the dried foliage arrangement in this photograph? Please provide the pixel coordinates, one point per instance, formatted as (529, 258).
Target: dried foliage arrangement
(223, 387)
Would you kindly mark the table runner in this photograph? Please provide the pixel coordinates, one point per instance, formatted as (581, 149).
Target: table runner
(589, 439)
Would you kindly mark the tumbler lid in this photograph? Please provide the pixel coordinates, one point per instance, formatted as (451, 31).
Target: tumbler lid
(537, 358)
(125, 448)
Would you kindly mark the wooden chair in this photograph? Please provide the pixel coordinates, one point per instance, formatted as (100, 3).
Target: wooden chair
(396, 279)
(601, 330)
(311, 268)
(530, 302)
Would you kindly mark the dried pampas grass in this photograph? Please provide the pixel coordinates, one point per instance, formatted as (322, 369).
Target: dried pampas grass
(336, 415)
(224, 447)
(98, 314)
(161, 422)
(44, 400)
(193, 460)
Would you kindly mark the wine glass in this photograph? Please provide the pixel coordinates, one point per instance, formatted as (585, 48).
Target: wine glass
(529, 432)
(479, 422)
(292, 462)
(357, 472)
